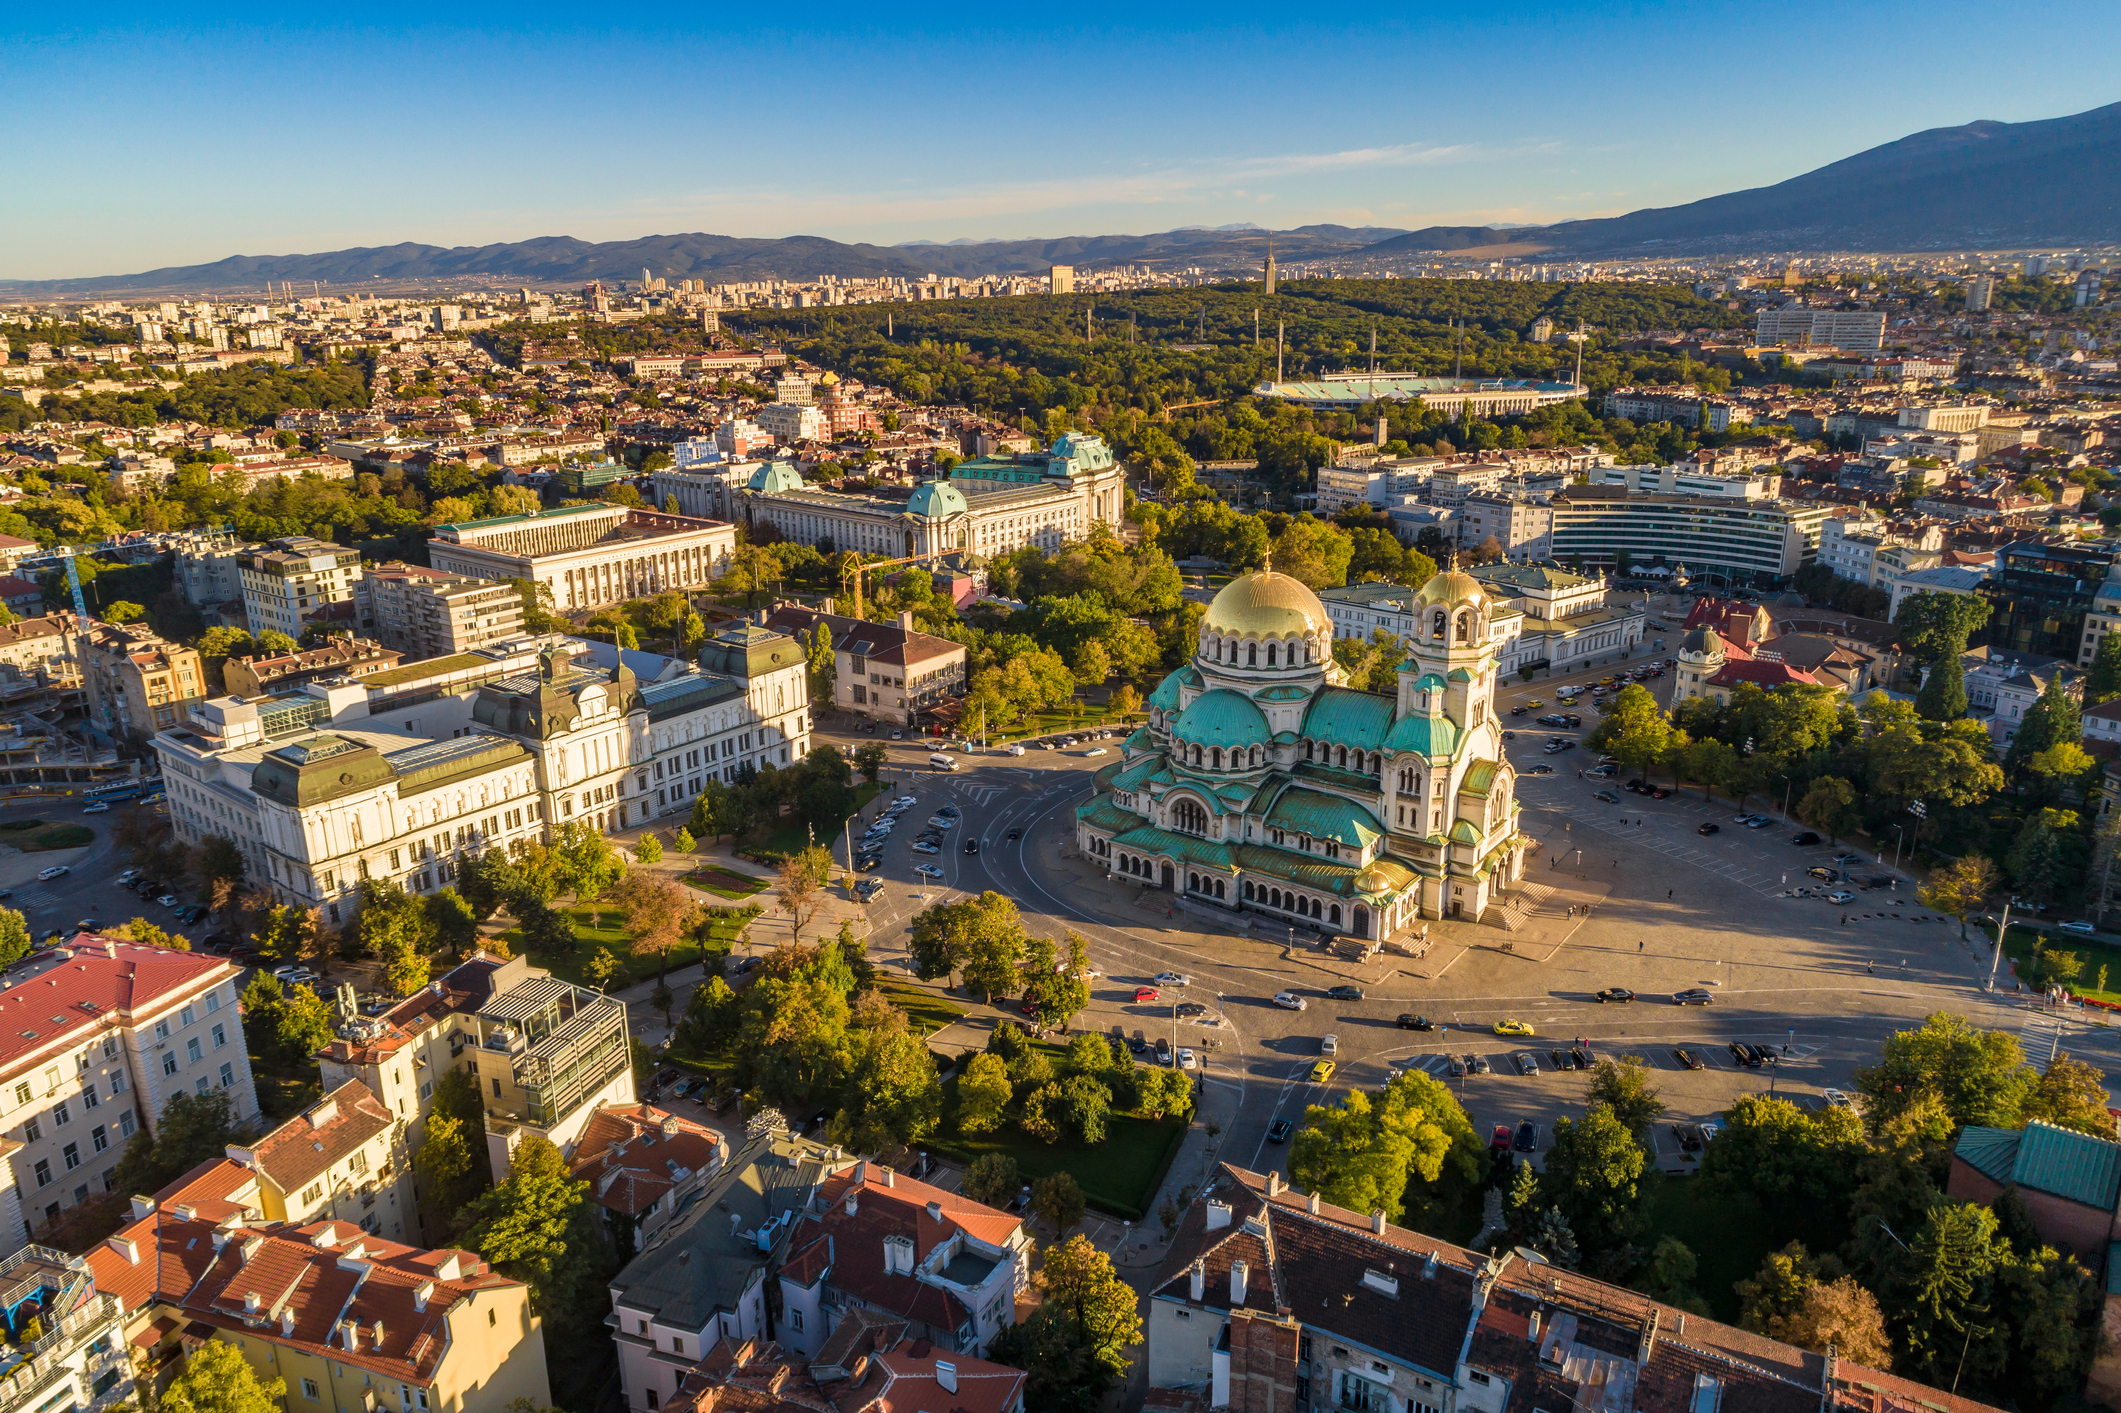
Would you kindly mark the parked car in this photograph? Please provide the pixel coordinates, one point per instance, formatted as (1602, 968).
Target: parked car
(1279, 1131)
(1321, 1071)
(928, 870)
(1839, 1100)
(1606, 797)
(1823, 873)
(1540, 770)
(167, 900)
(1146, 993)
(99, 807)
(1743, 1055)
(2077, 925)
(1499, 1141)
(1526, 1064)
(1287, 1000)
(1344, 993)
(1479, 1064)
(1186, 1058)
(1689, 1060)
(1580, 1057)
(1186, 1010)
(1710, 829)
(1456, 1066)
(1527, 1137)
(1804, 840)
(1172, 978)
(1841, 895)
(1162, 1050)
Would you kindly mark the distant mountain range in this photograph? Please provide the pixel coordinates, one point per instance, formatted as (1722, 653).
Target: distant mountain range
(1989, 185)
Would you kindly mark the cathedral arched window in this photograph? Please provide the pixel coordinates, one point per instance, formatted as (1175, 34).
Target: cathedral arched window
(1255, 755)
(1465, 625)
(1270, 655)
(1341, 756)
(1307, 751)
(1252, 655)
(1187, 817)
(1216, 757)
(1436, 625)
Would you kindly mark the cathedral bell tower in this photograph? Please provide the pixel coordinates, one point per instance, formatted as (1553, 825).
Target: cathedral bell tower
(1449, 644)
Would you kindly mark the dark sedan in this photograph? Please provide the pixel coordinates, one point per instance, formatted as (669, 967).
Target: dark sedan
(1344, 993)
(1528, 1137)
(1278, 1131)
(1616, 993)
(1710, 829)
(1409, 1021)
(1804, 840)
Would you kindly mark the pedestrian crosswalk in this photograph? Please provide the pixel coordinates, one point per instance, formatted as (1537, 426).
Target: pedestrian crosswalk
(2041, 1039)
(35, 898)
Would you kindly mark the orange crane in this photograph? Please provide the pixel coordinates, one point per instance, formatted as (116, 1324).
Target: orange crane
(852, 573)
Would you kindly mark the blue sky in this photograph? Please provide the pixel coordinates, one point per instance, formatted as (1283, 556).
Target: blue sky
(146, 137)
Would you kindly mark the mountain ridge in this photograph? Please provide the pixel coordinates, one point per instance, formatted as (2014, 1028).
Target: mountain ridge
(1981, 185)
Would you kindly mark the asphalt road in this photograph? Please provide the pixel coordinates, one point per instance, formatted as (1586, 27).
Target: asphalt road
(1784, 970)
(88, 890)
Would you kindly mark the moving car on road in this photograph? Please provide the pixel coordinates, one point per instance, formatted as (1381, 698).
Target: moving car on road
(1409, 1021)
(1279, 1131)
(1172, 978)
(1290, 1001)
(2077, 925)
(1606, 797)
(1321, 1071)
(972, 846)
(1692, 996)
(1710, 829)
(1344, 993)
(1616, 993)
(56, 871)
(1512, 1027)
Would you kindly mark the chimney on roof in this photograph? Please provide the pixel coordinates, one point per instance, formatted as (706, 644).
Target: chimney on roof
(670, 1125)
(946, 1375)
(1199, 1284)
(935, 1210)
(1273, 1184)
(861, 1172)
(127, 1247)
(375, 1334)
(854, 1201)
(1311, 1202)
(1647, 1345)
(905, 619)
(421, 1294)
(287, 1321)
(884, 1174)
(1238, 1271)
(1218, 1215)
(1377, 1221)
(1533, 1324)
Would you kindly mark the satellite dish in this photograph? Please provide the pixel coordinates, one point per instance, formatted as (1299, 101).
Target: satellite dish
(1531, 1257)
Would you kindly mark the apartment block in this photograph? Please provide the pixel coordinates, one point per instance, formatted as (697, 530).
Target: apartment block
(1851, 331)
(1717, 540)
(138, 682)
(1856, 548)
(645, 1166)
(425, 613)
(80, 1360)
(344, 1158)
(107, 1032)
(1523, 527)
(885, 671)
(205, 568)
(289, 583)
(280, 672)
(351, 1322)
(547, 1054)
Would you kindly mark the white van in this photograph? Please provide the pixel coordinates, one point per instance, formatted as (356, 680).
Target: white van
(942, 762)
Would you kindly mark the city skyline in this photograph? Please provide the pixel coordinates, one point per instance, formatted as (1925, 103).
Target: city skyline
(276, 139)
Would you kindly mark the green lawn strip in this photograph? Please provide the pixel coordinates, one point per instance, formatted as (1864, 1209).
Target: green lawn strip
(925, 1011)
(1118, 1176)
(794, 838)
(17, 825)
(724, 883)
(2018, 945)
(1729, 1244)
(59, 836)
(604, 927)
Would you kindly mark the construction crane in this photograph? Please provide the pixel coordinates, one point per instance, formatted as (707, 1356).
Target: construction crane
(852, 573)
(73, 582)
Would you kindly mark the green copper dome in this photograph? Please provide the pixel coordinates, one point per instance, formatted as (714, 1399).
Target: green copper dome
(775, 477)
(1224, 719)
(933, 500)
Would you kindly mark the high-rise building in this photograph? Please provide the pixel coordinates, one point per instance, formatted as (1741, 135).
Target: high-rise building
(431, 613)
(1060, 280)
(1979, 291)
(291, 582)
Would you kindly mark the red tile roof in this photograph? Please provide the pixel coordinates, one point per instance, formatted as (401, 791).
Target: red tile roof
(304, 1148)
(94, 983)
(1761, 672)
(631, 1155)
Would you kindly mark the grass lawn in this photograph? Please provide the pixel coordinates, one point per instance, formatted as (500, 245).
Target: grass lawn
(47, 835)
(793, 838)
(926, 1011)
(605, 927)
(1045, 723)
(1730, 1243)
(1118, 1176)
(2018, 945)
(723, 883)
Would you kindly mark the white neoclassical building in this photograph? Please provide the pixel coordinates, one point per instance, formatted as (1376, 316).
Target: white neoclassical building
(1261, 784)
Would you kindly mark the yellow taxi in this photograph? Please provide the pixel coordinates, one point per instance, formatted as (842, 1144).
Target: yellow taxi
(1321, 1072)
(1512, 1027)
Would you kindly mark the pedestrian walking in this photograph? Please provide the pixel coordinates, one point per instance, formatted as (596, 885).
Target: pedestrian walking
(1668, 895)
(1871, 967)
(1844, 919)
(1640, 944)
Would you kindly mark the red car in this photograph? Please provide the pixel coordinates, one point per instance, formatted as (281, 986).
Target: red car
(1147, 993)
(1501, 1139)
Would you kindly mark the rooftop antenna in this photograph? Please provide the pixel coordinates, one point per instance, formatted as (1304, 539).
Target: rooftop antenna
(1373, 350)
(1578, 341)
(1255, 326)
(1458, 350)
(1202, 335)
(1280, 328)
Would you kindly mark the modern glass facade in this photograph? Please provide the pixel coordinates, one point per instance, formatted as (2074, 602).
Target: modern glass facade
(1724, 540)
(2042, 594)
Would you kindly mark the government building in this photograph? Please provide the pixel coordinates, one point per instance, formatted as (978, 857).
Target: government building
(989, 505)
(588, 555)
(322, 792)
(1262, 785)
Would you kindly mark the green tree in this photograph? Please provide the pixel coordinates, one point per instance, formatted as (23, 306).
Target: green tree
(537, 1227)
(893, 1094)
(2071, 1094)
(1977, 1076)
(649, 850)
(392, 926)
(870, 758)
(1933, 626)
(1959, 888)
(15, 940)
(2048, 852)
(1074, 1346)
(1591, 1174)
(193, 1129)
(1793, 1164)
(711, 1018)
(287, 933)
(992, 1179)
(684, 843)
(1829, 804)
(216, 1378)
(445, 1168)
(587, 862)
(1943, 694)
(983, 1094)
(1635, 730)
(1945, 1307)
(2054, 718)
(450, 922)
(1623, 1086)
(2103, 682)
(1361, 1155)
(1059, 1200)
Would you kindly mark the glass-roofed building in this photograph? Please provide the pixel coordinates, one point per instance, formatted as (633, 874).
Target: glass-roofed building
(1263, 785)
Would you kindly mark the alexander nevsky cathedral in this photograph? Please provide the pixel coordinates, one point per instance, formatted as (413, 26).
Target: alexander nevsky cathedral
(1263, 785)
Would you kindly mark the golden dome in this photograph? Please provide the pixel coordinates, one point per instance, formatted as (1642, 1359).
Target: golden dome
(1265, 604)
(1452, 586)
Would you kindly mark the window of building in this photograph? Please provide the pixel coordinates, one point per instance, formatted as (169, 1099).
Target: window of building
(309, 1389)
(213, 1001)
(125, 1123)
(99, 1138)
(193, 1050)
(187, 1015)
(169, 1062)
(313, 1192)
(88, 1096)
(200, 1085)
(23, 1094)
(228, 1076)
(44, 1172)
(72, 1154)
(220, 1036)
(161, 1030)
(117, 1083)
(32, 1131)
